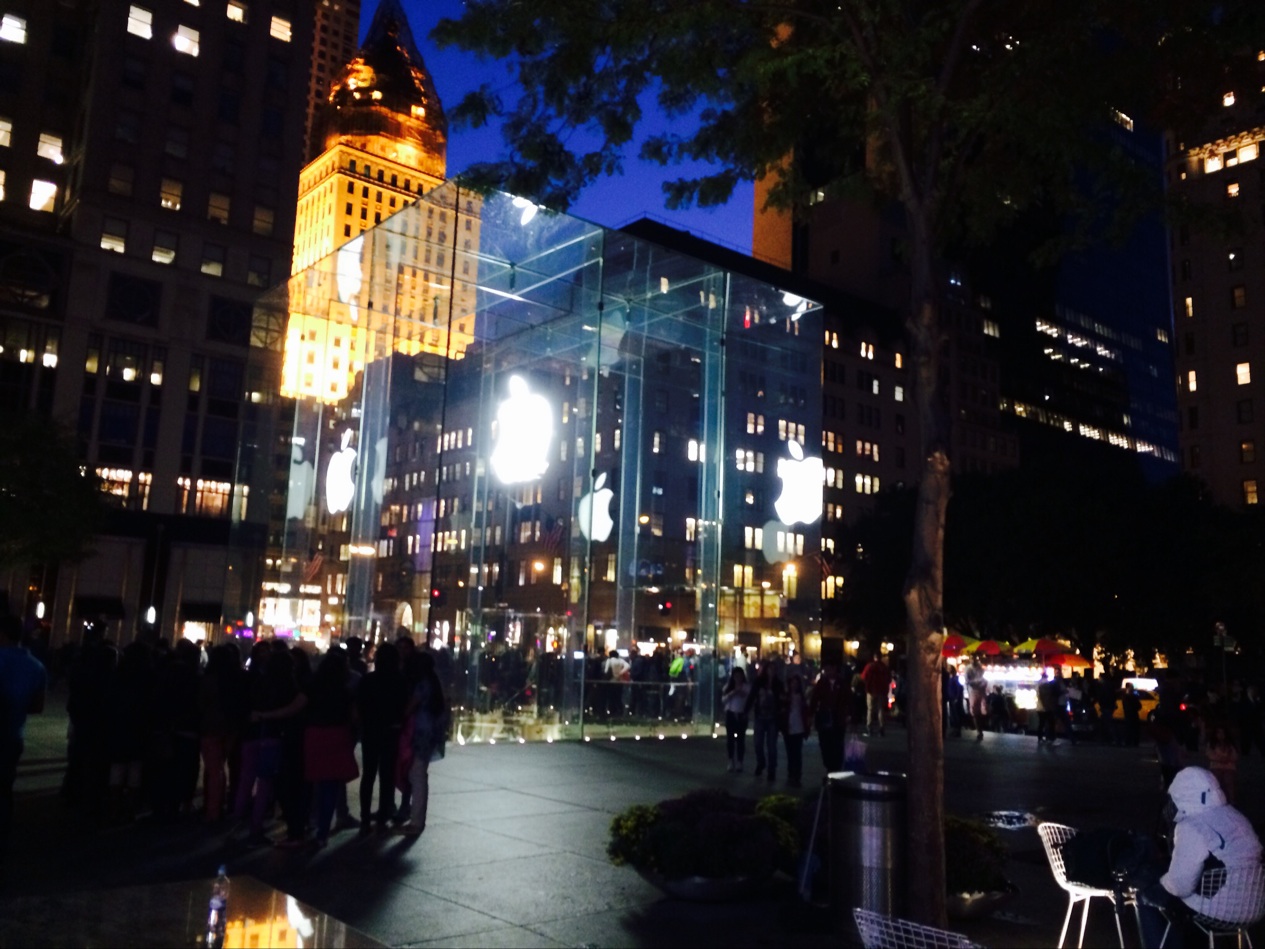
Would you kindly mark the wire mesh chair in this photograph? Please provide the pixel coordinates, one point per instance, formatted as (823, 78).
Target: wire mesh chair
(1229, 903)
(1053, 837)
(883, 932)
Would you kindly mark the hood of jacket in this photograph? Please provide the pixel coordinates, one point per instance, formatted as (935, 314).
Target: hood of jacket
(1195, 790)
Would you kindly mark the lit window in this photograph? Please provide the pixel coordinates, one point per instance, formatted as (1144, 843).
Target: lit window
(217, 208)
(1249, 491)
(194, 3)
(114, 235)
(263, 224)
(280, 29)
(1211, 164)
(121, 179)
(1192, 381)
(1248, 152)
(140, 22)
(213, 260)
(43, 195)
(1247, 451)
(900, 361)
(50, 147)
(236, 11)
(186, 40)
(6, 133)
(1238, 297)
(1227, 99)
(1232, 189)
(867, 350)
(991, 328)
(1234, 258)
(164, 248)
(1, 184)
(900, 393)
(656, 442)
(170, 193)
(1243, 373)
(1190, 306)
(13, 28)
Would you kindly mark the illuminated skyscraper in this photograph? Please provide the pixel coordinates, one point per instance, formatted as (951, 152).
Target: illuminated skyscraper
(385, 142)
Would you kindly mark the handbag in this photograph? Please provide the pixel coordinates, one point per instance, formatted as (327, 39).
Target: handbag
(328, 753)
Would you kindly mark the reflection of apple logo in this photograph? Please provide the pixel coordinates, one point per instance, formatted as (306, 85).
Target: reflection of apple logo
(769, 548)
(340, 479)
(594, 511)
(302, 478)
(524, 430)
(801, 487)
(379, 469)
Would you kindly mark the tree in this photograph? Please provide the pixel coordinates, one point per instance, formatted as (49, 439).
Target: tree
(50, 509)
(963, 111)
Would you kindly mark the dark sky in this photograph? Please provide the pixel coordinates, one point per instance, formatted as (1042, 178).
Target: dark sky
(613, 202)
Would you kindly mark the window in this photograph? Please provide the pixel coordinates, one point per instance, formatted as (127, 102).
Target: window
(900, 393)
(43, 195)
(186, 40)
(1227, 99)
(280, 29)
(1243, 373)
(2, 174)
(1243, 410)
(236, 11)
(177, 145)
(169, 194)
(991, 328)
(1192, 417)
(263, 221)
(1247, 451)
(120, 179)
(50, 147)
(656, 442)
(140, 22)
(1234, 258)
(1238, 297)
(114, 235)
(1192, 381)
(1238, 334)
(258, 271)
(1232, 189)
(867, 350)
(1212, 164)
(164, 247)
(13, 29)
(217, 208)
(1190, 306)
(213, 260)
(6, 133)
(1249, 491)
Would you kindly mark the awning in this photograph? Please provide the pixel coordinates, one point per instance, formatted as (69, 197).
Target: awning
(103, 607)
(198, 612)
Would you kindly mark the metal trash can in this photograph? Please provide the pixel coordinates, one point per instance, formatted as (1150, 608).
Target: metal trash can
(867, 842)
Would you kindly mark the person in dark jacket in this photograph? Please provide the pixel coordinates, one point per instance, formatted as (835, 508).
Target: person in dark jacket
(829, 709)
(381, 700)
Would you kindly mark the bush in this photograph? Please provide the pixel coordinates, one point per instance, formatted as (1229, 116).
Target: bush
(974, 857)
(706, 833)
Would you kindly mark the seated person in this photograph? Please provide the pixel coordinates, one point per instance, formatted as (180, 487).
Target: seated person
(1207, 832)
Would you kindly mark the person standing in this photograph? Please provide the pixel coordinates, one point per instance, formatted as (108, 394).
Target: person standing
(1223, 760)
(23, 681)
(734, 701)
(795, 723)
(765, 704)
(828, 709)
(381, 699)
(977, 690)
(430, 717)
(1131, 711)
(877, 678)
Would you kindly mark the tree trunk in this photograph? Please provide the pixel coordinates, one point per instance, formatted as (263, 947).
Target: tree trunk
(924, 588)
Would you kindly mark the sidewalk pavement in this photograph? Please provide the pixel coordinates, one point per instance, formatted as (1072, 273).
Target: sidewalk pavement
(514, 850)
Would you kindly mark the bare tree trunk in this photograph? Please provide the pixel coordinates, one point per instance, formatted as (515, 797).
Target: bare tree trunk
(924, 590)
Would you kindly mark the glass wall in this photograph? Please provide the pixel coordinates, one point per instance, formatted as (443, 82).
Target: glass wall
(583, 468)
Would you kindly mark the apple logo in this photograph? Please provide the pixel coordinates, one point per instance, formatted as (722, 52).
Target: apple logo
(340, 477)
(524, 430)
(302, 478)
(801, 487)
(594, 511)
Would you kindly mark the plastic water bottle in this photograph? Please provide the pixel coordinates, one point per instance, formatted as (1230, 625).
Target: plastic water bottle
(217, 911)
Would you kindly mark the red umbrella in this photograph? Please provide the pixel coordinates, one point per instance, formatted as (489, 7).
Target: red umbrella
(989, 647)
(954, 643)
(1067, 659)
(1040, 647)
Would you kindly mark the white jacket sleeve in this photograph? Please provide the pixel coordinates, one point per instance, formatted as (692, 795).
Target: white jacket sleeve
(1189, 852)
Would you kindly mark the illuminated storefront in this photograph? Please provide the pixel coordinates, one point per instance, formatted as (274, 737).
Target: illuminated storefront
(619, 448)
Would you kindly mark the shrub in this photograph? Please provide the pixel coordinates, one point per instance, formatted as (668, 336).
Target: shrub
(974, 856)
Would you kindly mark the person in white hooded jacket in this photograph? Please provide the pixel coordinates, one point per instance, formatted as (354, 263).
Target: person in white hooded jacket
(1205, 826)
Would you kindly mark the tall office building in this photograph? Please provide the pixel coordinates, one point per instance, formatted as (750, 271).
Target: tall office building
(335, 37)
(148, 155)
(1218, 276)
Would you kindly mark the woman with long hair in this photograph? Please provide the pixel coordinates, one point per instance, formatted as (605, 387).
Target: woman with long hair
(734, 699)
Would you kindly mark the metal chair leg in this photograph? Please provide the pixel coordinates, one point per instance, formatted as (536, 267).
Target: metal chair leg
(1080, 943)
(1067, 919)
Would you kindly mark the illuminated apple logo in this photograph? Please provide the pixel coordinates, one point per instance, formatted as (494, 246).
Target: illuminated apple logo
(340, 477)
(594, 511)
(524, 431)
(800, 501)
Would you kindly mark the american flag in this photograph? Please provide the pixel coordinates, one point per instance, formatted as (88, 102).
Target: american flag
(826, 562)
(313, 566)
(554, 535)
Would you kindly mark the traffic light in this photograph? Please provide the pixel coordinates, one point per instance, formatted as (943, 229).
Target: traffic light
(665, 607)
(438, 596)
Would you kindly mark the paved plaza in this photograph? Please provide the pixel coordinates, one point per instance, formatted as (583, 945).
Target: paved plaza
(514, 851)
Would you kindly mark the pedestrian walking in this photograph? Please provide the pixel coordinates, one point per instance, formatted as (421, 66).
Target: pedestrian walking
(765, 705)
(429, 715)
(877, 677)
(795, 723)
(734, 701)
(828, 707)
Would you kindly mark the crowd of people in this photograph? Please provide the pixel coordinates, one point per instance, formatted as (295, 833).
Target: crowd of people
(269, 734)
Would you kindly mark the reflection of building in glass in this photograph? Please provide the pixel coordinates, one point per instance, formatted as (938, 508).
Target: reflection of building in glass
(628, 453)
(385, 143)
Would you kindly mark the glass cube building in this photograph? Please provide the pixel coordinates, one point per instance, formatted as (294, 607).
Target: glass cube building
(529, 441)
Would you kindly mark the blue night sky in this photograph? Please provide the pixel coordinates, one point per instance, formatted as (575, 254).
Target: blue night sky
(613, 202)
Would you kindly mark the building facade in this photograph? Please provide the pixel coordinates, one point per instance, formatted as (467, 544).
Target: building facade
(149, 153)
